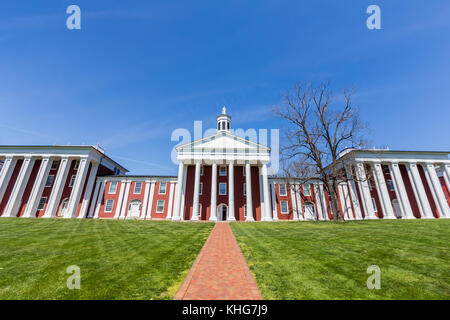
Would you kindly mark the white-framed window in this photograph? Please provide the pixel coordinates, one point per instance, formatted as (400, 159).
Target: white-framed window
(284, 207)
(283, 191)
(137, 188)
(306, 189)
(112, 187)
(374, 203)
(109, 205)
(75, 166)
(245, 210)
(41, 204)
(201, 170)
(55, 164)
(199, 209)
(49, 181)
(223, 189)
(200, 189)
(245, 189)
(160, 206)
(391, 185)
(223, 170)
(72, 181)
(162, 188)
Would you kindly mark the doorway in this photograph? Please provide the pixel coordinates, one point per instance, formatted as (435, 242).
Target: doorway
(396, 207)
(134, 209)
(222, 211)
(63, 208)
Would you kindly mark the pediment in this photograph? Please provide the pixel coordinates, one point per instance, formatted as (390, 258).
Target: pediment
(223, 141)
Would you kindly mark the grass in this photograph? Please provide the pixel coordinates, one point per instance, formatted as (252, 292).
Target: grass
(326, 260)
(117, 259)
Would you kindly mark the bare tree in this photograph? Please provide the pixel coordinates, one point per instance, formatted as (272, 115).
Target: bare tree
(319, 128)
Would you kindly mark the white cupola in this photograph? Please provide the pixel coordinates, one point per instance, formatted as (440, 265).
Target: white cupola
(223, 121)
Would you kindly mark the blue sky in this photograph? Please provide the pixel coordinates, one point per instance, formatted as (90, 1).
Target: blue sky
(137, 70)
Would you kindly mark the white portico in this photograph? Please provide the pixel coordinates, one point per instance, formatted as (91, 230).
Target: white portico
(225, 151)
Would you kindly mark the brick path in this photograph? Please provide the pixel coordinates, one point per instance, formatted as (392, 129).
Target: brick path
(220, 271)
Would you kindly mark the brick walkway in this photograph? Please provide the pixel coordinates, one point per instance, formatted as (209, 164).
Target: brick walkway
(220, 271)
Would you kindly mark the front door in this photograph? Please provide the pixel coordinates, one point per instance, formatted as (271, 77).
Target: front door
(222, 212)
(396, 207)
(63, 208)
(134, 209)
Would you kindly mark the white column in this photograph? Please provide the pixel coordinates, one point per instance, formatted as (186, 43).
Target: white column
(15, 199)
(58, 187)
(365, 191)
(274, 202)
(101, 195)
(382, 190)
(294, 202)
(77, 188)
(353, 194)
(177, 205)
(38, 188)
(348, 203)
(446, 174)
(231, 216)
(318, 202)
(145, 203)
(195, 201)
(298, 196)
(437, 191)
(123, 184)
(400, 191)
(419, 191)
(150, 201)
(267, 210)
(342, 201)
(261, 193)
(324, 202)
(94, 199)
(248, 185)
(213, 210)
(6, 173)
(183, 193)
(172, 187)
(124, 209)
(88, 191)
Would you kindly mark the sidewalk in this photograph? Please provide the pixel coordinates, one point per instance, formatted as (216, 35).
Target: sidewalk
(220, 271)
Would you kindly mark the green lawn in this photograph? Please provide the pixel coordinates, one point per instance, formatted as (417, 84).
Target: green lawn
(326, 260)
(117, 259)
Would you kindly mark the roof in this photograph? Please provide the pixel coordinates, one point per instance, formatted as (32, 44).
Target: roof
(95, 149)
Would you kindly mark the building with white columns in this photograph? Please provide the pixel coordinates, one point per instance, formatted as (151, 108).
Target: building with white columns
(222, 177)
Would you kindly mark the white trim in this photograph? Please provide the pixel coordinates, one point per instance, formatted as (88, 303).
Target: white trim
(287, 207)
(43, 205)
(163, 206)
(285, 189)
(115, 188)
(140, 187)
(220, 193)
(106, 205)
(220, 171)
(165, 187)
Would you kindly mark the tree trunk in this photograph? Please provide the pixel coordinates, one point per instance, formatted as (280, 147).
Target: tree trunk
(332, 187)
